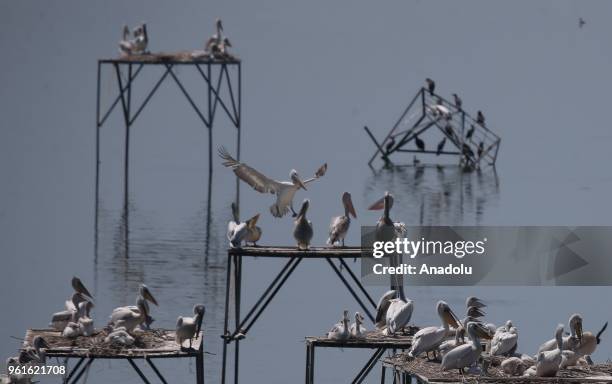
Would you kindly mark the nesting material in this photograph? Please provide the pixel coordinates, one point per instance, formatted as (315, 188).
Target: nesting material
(182, 57)
(147, 343)
(430, 372)
(371, 339)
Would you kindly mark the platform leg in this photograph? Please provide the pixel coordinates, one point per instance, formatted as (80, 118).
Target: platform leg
(226, 319)
(237, 288)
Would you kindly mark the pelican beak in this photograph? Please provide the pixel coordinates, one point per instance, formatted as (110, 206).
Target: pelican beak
(300, 183)
(348, 203)
(148, 296)
(483, 332)
(451, 318)
(253, 220)
(579, 330)
(378, 205)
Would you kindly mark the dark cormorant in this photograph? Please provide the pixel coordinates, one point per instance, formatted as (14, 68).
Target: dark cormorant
(441, 146)
(470, 132)
(480, 149)
(458, 101)
(419, 143)
(431, 85)
(480, 119)
(467, 151)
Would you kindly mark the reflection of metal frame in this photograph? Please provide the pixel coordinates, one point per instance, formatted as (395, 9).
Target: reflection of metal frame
(217, 75)
(295, 256)
(458, 120)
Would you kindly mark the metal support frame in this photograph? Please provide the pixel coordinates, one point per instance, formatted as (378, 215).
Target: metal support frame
(217, 76)
(452, 125)
(242, 325)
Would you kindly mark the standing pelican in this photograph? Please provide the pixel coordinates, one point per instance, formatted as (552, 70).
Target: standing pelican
(357, 330)
(340, 331)
(214, 42)
(382, 307)
(428, 339)
(504, 341)
(458, 101)
(398, 314)
(302, 229)
(60, 319)
(431, 85)
(189, 327)
(231, 226)
(340, 224)
(129, 318)
(467, 354)
(449, 345)
(284, 190)
(548, 362)
(37, 351)
(246, 231)
(253, 231)
(569, 342)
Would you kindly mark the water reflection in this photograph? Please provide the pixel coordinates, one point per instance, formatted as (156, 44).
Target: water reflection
(436, 195)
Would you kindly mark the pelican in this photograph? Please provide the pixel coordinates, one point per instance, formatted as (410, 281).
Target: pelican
(398, 314)
(340, 224)
(441, 146)
(246, 231)
(568, 359)
(302, 229)
(60, 319)
(72, 330)
(189, 327)
(37, 351)
(129, 318)
(84, 319)
(571, 341)
(431, 85)
(214, 42)
(419, 143)
(382, 307)
(472, 314)
(467, 354)
(513, 366)
(340, 331)
(386, 229)
(449, 345)
(231, 226)
(357, 330)
(548, 361)
(79, 287)
(224, 45)
(504, 341)
(120, 336)
(429, 339)
(458, 101)
(284, 190)
(589, 342)
(138, 44)
(253, 231)
(480, 119)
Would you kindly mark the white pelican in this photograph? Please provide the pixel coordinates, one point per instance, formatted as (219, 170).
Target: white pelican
(398, 314)
(429, 339)
(138, 44)
(79, 287)
(451, 344)
(254, 232)
(246, 231)
(340, 331)
(467, 354)
(72, 330)
(214, 42)
(357, 330)
(85, 321)
(340, 224)
(382, 307)
(129, 318)
(504, 341)
(582, 343)
(37, 351)
(189, 327)
(302, 229)
(284, 190)
(120, 336)
(231, 226)
(60, 319)
(548, 362)
(568, 359)
(144, 296)
(569, 342)
(513, 366)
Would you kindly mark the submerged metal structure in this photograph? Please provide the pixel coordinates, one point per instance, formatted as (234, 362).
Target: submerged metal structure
(219, 75)
(468, 138)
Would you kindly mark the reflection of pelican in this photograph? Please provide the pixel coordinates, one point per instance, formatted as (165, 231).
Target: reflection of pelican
(467, 354)
(302, 230)
(429, 339)
(340, 331)
(189, 327)
(284, 190)
(340, 224)
(504, 341)
(357, 330)
(431, 85)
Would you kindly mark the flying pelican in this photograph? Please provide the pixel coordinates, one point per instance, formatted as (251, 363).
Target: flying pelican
(467, 354)
(441, 146)
(504, 341)
(398, 314)
(458, 101)
(419, 143)
(548, 362)
(340, 331)
(357, 330)
(480, 119)
(470, 131)
(429, 339)
(302, 229)
(340, 224)
(431, 85)
(214, 42)
(189, 327)
(284, 190)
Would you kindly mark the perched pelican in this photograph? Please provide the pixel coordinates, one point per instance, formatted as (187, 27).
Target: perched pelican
(386, 229)
(189, 327)
(569, 342)
(79, 287)
(382, 307)
(480, 119)
(441, 146)
(470, 131)
(302, 229)
(129, 318)
(419, 143)
(431, 85)
(246, 231)
(467, 354)
(449, 345)
(429, 339)
(72, 330)
(398, 314)
(60, 319)
(224, 45)
(253, 231)
(35, 353)
(458, 101)
(340, 331)
(284, 190)
(231, 226)
(340, 224)
(548, 362)
(84, 320)
(214, 42)
(504, 341)
(138, 44)
(120, 336)
(568, 359)
(513, 366)
(589, 342)
(357, 330)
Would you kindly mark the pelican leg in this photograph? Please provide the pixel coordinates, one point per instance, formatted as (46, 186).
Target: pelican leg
(293, 210)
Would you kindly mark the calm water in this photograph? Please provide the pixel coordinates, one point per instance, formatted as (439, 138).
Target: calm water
(300, 110)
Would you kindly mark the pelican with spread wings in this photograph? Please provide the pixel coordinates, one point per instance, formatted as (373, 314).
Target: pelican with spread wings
(284, 190)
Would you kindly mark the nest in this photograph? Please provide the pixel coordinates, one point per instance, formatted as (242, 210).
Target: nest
(183, 56)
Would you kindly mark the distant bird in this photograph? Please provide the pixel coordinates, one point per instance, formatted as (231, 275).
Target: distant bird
(357, 330)
(398, 313)
(302, 230)
(213, 45)
(419, 143)
(284, 190)
(189, 327)
(440, 146)
(340, 224)
(458, 101)
(505, 340)
(470, 132)
(340, 331)
(428, 339)
(431, 85)
(464, 356)
(581, 22)
(467, 151)
(480, 149)
(390, 145)
(450, 132)
(480, 119)
(548, 362)
(138, 44)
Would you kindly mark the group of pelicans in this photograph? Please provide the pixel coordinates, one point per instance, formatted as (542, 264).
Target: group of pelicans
(447, 343)
(216, 46)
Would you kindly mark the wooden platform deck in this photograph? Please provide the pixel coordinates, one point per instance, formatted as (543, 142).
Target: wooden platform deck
(155, 343)
(182, 57)
(373, 339)
(292, 251)
(429, 372)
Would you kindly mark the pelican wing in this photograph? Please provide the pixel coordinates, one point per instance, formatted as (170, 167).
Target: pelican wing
(503, 342)
(257, 180)
(382, 307)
